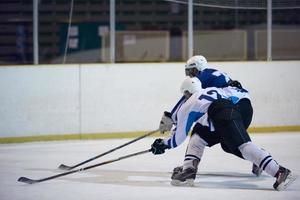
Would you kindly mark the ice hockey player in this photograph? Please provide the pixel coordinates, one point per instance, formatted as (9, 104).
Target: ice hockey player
(197, 66)
(219, 111)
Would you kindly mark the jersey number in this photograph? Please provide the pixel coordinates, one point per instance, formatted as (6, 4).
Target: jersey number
(209, 98)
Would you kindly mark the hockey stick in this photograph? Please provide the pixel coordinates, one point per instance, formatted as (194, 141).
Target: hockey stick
(66, 167)
(32, 181)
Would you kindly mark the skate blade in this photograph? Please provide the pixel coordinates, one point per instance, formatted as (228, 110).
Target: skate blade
(257, 173)
(188, 183)
(289, 180)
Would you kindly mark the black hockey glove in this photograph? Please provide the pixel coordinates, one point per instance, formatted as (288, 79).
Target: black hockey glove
(158, 147)
(235, 83)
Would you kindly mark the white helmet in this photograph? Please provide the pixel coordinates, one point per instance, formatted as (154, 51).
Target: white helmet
(191, 85)
(198, 62)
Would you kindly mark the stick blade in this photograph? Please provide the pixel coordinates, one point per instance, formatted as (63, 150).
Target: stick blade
(64, 167)
(27, 180)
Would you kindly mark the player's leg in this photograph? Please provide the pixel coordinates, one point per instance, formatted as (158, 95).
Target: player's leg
(186, 174)
(243, 112)
(246, 111)
(264, 161)
(228, 123)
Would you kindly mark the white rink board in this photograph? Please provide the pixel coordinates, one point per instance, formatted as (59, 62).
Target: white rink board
(104, 98)
(144, 177)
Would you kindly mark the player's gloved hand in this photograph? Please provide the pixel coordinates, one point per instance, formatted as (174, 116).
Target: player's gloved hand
(235, 83)
(158, 147)
(166, 123)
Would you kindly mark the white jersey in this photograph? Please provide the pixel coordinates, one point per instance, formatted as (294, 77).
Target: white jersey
(194, 110)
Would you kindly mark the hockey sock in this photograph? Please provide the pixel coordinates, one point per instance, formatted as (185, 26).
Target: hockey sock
(194, 152)
(260, 157)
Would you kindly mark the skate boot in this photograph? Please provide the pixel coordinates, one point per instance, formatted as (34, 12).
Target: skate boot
(284, 178)
(256, 170)
(184, 178)
(176, 171)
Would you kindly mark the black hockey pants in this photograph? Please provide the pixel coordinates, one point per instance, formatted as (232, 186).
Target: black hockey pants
(230, 122)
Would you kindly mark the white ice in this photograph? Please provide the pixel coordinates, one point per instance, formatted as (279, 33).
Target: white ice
(144, 177)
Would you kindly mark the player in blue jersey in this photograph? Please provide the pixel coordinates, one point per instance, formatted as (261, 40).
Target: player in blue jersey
(220, 114)
(197, 66)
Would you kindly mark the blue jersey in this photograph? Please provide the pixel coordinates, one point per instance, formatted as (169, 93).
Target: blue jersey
(194, 110)
(208, 78)
(213, 78)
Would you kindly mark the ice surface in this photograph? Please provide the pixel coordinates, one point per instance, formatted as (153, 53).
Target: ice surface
(143, 177)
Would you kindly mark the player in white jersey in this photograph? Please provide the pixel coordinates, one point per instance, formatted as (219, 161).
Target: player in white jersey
(220, 114)
(197, 66)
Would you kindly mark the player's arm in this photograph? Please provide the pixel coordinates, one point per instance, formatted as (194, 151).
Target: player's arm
(186, 119)
(235, 83)
(179, 133)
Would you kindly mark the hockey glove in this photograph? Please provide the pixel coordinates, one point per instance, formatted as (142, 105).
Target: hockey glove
(166, 123)
(158, 147)
(235, 83)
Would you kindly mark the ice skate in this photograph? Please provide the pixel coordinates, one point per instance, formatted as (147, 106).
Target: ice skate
(284, 178)
(184, 178)
(256, 170)
(176, 171)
